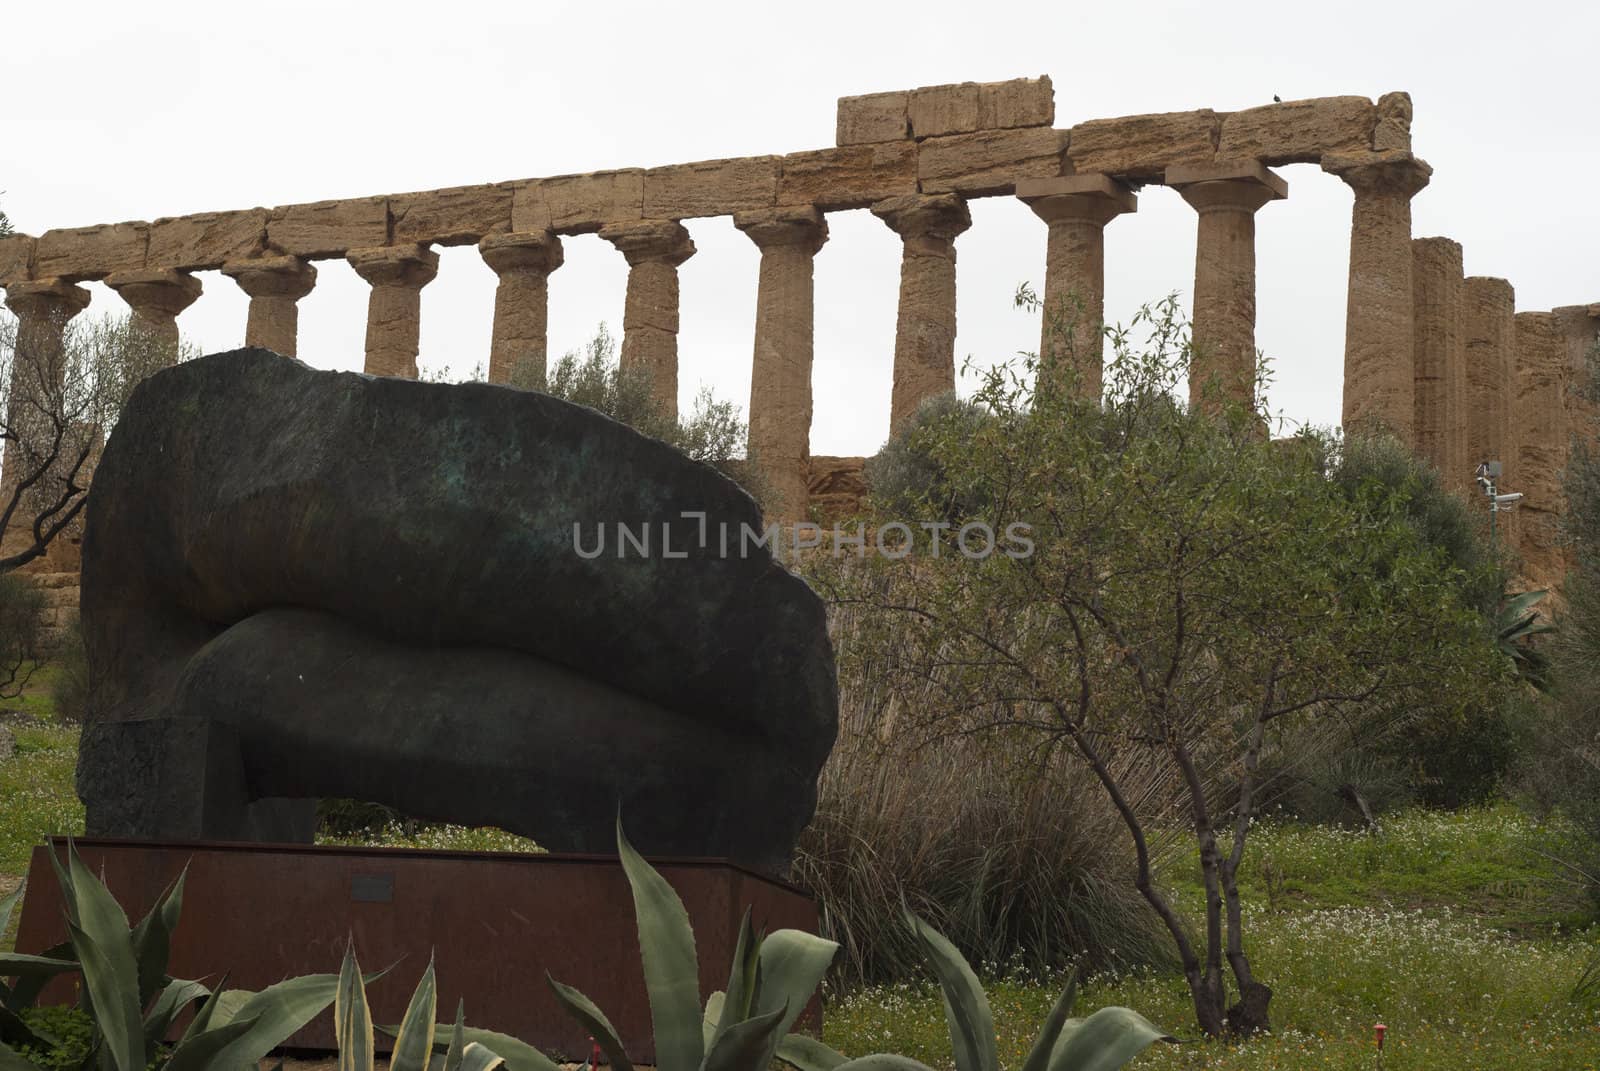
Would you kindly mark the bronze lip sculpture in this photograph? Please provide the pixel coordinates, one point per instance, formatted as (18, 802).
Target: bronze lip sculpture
(300, 584)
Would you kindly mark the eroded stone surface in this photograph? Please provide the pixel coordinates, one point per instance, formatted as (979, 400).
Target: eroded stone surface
(157, 296)
(852, 176)
(837, 486)
(1298, 131)
(16, 257)
(989, 162)
(394, 310)
(1540, 418)
(873, 117)
(1489, 327)
(1378, 363)
(322, 229)
(578, 204)
(203, 242)
(780, 375)
(925, 326)
(654, 249)
(460, 215)
(1144, 146)
(1077, 209)
(82, 253)
(1393, 129)
(711, 187)
(300, 584)
(519, 343)
(275, 286)
(1439, 359)
(939, 110)
(1019, 102)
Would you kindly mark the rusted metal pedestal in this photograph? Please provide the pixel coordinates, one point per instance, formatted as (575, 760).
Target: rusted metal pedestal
(494, 922)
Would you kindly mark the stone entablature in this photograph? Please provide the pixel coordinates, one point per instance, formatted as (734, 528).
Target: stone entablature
(1415, 325)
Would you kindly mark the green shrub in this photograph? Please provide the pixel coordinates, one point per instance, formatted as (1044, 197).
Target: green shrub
(904, 472)
(21, 607)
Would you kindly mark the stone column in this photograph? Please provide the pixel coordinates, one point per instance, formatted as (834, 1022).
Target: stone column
(518, 348)
(1579, 325)
(1541, 422)
(1222, 368)
(275, 285)
(925, 329)
(1077, 208)
(394, 311)
(1378, 384)
(157, 296)
(654, 249)
(42, 308)
(1439, 360)
(1490, 344)
(780, 377)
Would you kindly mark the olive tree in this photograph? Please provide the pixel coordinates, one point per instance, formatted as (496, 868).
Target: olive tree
(1186, 592)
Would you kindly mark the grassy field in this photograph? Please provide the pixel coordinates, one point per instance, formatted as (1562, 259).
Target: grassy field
(1454, 929)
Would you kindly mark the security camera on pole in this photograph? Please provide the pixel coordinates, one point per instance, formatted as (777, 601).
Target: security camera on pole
(1487, 473)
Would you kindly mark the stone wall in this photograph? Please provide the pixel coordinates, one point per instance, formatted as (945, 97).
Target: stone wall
(1420, 356)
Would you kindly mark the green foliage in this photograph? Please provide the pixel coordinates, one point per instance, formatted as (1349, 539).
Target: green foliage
(5, 225)
(712, 432)
(1194, 593)
(21, 604)
(904, 473)
(36, 793)
(1515, 625)
(130, 999)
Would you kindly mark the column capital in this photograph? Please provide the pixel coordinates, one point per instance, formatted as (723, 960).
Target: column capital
(663, 240)
(1380, 172)
(770, 228)
(284, 277)
(940, 216)
(157, 293)
(1093, 198)
(45, 298)
(538, 251)
(1244, 185)
(410, 266)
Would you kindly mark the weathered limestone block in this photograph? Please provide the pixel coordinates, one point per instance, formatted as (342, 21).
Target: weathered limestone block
(925, 328)
(654, 249)
(837, 487)
(204, 241)
(936, 111)
(519, 344)
(283, 565)
(990, 162)
(1392, 132)
(157, 296)
(1298, 131)
(328, 228)
(711, 187)
(1489, 330)
(1077, 209)
(780, 376)
(275, 286)
(853, 176)
(1143, 146)
(1579, 326)
(16, 257)
(1019, 102)
(578, 204)
(81, 253)
(1439, 359)
(1225, 199)
(873, 117)
(394, 311)
(1378, 344)
(459, 215)
(1540, 418)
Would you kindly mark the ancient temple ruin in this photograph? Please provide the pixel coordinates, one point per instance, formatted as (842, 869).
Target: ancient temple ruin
(1444, 360)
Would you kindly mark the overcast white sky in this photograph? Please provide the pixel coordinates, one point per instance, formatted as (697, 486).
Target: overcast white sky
(119, 111)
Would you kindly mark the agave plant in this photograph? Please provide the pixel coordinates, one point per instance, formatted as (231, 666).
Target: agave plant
(132, 1001)
(1515, 624)
(1104, 1041)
